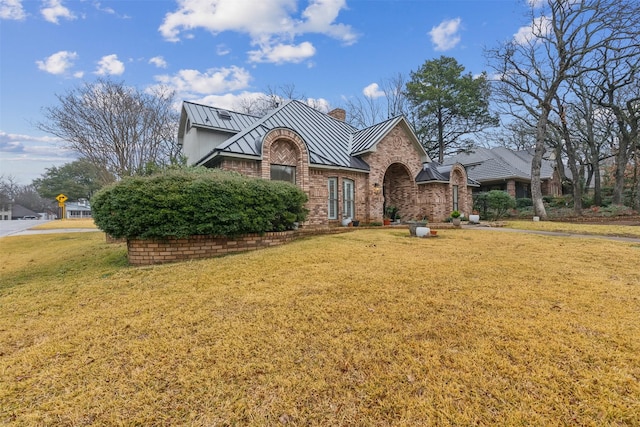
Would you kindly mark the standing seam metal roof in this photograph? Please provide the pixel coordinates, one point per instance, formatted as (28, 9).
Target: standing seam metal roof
(208, 117)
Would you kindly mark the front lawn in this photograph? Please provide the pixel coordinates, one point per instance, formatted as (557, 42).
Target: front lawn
(368, 328)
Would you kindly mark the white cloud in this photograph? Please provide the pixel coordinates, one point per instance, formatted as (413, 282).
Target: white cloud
(25, 157)
(373, 91)
(190, 83)
(110, 65)
(272, 24)
(12, 9)
(158, 61)
(536, 3)
(58, 63)
(56, 10)
(445, 36)
(540, 27)
(222, 50)
(282, 53)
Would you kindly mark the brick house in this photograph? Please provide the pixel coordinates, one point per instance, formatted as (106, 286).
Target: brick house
(500, 168)
(345, 171)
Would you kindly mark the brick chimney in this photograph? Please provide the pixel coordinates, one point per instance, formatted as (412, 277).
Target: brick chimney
(338, 114)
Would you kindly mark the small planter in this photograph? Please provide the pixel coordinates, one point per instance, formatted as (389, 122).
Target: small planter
(433, 233)
(346, 222)
(422, 231)
(386, 221)
(474, 219)
(456, 221)
(415, 224)
(355, 223)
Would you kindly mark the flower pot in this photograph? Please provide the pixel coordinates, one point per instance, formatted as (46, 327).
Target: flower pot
(346, 222)
(433, 233)
(415, 224)
(456, 221)
(355, 223)
(474, 219)
(422, 231)
(386, 221)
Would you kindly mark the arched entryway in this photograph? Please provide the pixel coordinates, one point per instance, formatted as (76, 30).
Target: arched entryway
(399, 190)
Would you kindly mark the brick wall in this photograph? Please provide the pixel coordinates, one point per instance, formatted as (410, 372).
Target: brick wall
(162, 251)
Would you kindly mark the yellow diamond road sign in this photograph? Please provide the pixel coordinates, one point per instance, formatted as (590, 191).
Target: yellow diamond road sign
(61, 198)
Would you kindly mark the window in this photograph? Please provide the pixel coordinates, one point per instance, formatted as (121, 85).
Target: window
(332, 185)
(283, 173)
(348, 209)
(455, 197)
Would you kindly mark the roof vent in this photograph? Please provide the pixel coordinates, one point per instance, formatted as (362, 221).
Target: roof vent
(224, 115)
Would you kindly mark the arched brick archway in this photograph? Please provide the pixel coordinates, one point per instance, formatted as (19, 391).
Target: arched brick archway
(399, 190)
(458, 187)
(286, 147)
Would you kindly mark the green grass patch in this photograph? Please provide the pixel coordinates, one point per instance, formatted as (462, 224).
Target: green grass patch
(365, 328)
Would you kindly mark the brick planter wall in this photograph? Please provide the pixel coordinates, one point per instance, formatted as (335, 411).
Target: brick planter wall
(161, 251)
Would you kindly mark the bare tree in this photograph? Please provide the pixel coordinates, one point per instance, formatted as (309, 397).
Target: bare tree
(391, 101)
(536, 70)
(616, 88)
(272, 98)
(116, 126)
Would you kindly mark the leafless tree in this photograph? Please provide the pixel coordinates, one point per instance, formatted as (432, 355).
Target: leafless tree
(536, 70)
(616, 89)
(364, 111)
(115, 126)
(272, 98)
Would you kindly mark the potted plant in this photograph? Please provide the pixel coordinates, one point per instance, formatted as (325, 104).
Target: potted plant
(455, 218)
(390, 214)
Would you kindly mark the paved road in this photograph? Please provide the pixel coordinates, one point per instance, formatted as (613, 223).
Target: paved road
(21, 228)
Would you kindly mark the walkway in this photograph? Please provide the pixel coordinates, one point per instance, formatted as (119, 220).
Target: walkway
(555, 233)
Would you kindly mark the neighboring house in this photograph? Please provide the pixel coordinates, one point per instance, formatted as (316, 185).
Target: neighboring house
(500, 168)
(5, 211)
(78, 210)
(20, 212)
(345, 171)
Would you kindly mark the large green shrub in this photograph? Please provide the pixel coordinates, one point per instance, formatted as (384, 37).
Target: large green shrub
(499, 202)
(197, 201)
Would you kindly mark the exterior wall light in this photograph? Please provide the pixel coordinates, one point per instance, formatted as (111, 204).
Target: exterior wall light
(376, 188)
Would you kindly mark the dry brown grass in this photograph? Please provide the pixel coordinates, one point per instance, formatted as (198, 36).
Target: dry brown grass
(65, 223)
(369, 328)
(566, 227)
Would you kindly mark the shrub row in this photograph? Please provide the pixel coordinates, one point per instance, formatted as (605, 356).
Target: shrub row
(197, 201)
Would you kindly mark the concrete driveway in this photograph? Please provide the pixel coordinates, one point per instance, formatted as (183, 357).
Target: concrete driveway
(21, 228)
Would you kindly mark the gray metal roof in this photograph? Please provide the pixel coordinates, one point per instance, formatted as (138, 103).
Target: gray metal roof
(217, 118)
(328, 139)
(365, 139)
(435, 172)
(330, 142)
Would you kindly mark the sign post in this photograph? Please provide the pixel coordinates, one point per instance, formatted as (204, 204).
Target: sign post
(61, 199)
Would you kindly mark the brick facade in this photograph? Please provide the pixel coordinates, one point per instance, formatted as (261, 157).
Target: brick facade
(394, 164)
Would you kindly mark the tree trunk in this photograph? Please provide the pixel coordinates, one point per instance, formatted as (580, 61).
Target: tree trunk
(621, 164)
(536, 163)
(597, 190)
(572, 160)
(440, 138)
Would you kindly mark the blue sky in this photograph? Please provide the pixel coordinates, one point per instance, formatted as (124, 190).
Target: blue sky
(216, 51)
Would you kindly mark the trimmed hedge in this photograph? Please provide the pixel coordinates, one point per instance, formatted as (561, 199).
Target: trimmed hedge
(196, 201)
